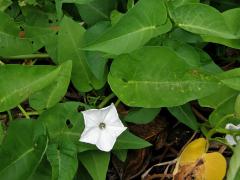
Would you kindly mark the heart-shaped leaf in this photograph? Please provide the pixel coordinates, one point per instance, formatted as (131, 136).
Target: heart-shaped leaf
(166, 81)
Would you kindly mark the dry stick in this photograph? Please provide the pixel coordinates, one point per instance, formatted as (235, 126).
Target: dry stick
(166, 171)
(168, 162)
(199, 115)
(154, 176)
(157, 165)
(222, 149)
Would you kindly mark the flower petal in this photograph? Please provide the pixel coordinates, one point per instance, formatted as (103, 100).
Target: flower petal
(90, 135)
(231, 126)
(230, 140)
(106, 141)
(115, 130)
(93, 117)
(112, 116)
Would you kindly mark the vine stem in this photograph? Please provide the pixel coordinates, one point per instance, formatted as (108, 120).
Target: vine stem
(117, 103)
(24, 112)
(215, 130)
(106, 100)
(28, 56)
(33, 113)
(10, 115)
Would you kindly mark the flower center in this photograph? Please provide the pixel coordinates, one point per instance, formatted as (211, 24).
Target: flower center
(102, 125)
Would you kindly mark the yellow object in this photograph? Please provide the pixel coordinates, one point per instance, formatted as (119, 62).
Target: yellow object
(195, 162)
(215, 166)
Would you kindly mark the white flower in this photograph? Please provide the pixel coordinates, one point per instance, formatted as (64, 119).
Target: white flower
(230, 139)
(102, 127)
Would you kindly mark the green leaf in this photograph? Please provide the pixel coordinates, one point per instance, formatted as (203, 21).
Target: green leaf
(4, 4)
(27, 2)
(185, 36)
(43, 171)
(141, 116)
(232, 19)
(82, 147)
(82, 173)
(71, 33)
(237, 107)
(116, 16)
(23, 153)
(95, 31)
(177, 3)
(63, 126)
(63, 159)
(19, 82)
(96, 10)
(44, 17)
(63, 122)
(41, 25)
(41, 36)
(223, 110)
(231, 78)
(234, 166)
(233, 43)
(166, 81)
(185, 51)
(207, 63)
(195, 57)
(147, 19)
(11, 43)
(96, 162)
(1, 133)
(121, 154)
(51, 95)
(127, 140)
(130, 4)
(59, 4)
(202, 19)
(185, 115)
(218, 98)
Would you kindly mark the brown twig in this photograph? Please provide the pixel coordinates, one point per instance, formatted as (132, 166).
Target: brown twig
(199, 115)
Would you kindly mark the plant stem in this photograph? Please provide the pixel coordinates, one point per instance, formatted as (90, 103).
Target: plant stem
(216, 129)
(34, 113)
(24, 112)
(224, 118)
(204, 130)
(106, 100)
(10, 115)
(28, 56)
(117, 103)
